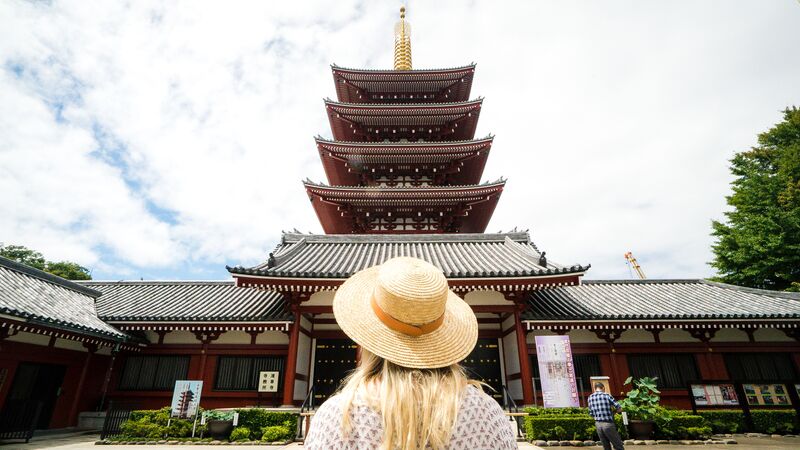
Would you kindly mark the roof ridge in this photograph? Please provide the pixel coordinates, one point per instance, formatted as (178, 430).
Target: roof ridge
(401, 105)
(432, 237)
(488, 137)
(767, 292)
(154, 282)
(645, 281)
(498, 182)
(403, 72)
(47, 277)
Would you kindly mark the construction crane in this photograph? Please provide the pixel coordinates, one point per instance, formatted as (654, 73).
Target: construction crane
(632, 261)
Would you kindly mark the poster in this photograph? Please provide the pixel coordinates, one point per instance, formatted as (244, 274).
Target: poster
(556, 371)
(186, 398)
(714, 394)
(766, 394)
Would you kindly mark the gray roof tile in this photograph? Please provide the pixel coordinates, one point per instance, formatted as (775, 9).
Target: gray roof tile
(659, 300)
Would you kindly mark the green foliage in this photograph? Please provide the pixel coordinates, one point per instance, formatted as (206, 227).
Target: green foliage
(724, 421)
(559, 427)
(32, 258)
(276, 433)
(537, 411)
(218, 415)
(682, 426)
(774, 421)
(641, 402)
(153, 424)
(240, 434)
(255, 419)
(759, 244)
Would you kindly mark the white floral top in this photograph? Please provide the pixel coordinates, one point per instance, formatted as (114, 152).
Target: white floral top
(481, 425)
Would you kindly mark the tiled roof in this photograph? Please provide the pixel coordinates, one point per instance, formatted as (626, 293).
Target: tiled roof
(186, 301)
(43, 299)
(659, 300)
(459, 255)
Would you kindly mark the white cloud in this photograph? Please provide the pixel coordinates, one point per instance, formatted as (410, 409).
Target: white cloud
(186, 127)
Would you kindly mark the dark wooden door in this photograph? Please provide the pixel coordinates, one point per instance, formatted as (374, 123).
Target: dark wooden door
(333, 360)
(36, 383)
(483, 364)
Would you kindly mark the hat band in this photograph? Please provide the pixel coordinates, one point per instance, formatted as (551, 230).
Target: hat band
(402, 327)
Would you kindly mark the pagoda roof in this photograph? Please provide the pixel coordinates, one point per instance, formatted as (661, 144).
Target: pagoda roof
(597, 303)
(499, 257)
(412, 121)
(429, 85)
(458, 162)
(368, 209)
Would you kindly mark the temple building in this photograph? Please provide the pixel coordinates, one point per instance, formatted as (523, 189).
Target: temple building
(405, 177)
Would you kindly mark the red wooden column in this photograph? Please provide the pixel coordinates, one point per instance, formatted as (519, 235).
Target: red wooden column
(524, 360)
(73, 411)
(291, 359)
(205, 337)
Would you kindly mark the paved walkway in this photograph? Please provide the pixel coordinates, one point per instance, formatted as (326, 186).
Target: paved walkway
(85, 442)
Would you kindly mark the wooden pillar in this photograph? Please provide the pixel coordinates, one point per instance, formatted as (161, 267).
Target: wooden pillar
(291, 360)
(524, 360)
(205, 337)
(73, 411)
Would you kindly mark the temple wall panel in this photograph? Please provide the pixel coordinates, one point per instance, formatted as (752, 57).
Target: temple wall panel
(272, 337)
(584, 337)
(510, 349)
(68, 344)
(325, 326)
(151, 336)
(771, 335)
(676, 335)
(180, 337)
(300, 390)
(636, 335)
(515, 389)
(531, 338)
(303, 354)
(485, 297)
(233, 337)
(30, 338)
(321, 298)
(730, 335)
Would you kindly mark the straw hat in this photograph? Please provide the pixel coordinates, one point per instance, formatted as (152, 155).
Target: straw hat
(403, 311)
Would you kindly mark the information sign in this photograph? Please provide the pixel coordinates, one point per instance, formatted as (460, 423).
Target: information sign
(557, 372)
(766, 394)
(186, 398)
(268, 381)
(714, 394)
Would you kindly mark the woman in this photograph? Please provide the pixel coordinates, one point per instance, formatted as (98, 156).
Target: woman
(408, 392)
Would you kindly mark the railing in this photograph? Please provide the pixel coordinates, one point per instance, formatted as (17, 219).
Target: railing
(513, 410)
(19, 418)
(116, 414)
(305, 413)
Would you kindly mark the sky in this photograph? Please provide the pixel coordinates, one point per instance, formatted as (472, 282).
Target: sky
(164, 140)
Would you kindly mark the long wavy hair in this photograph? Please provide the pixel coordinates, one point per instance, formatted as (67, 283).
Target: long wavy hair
(419, 407)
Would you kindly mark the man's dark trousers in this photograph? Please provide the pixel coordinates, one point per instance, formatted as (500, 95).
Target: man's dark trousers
(607, 431)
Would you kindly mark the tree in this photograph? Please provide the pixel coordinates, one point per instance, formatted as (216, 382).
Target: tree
(68, 270)
(759, 244)
(63, 269)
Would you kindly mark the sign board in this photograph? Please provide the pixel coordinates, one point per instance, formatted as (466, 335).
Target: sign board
(598, 379)
(557, 372)
(714, 394)
(186, 398)
(766, 394)
(268, 381)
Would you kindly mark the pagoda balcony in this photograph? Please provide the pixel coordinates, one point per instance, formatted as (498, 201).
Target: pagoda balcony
(360, 122)
(368, 210)
(395, 163)
(403, 86)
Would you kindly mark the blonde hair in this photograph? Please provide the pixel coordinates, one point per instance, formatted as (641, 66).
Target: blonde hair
(419, 407)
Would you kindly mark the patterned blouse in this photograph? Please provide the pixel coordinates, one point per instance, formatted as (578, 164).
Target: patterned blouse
(481, 425)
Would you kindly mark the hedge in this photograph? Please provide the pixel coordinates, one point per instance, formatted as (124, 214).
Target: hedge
(774, 421)
(724, 421)
(561, 427)
(256, 420)
(153, 424)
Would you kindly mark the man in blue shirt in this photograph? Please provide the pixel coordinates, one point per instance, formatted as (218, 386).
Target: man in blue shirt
(602, 408)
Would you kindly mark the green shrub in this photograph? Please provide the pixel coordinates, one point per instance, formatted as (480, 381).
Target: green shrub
(698, 432)
(724, 421)
(152, 424)
(240, 434)
(276, 433)
(537, 411)
(256, 419)
(774, 421)
(559, 427)
(680, 426)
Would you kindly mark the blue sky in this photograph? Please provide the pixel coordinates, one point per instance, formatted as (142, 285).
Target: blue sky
(164, 140)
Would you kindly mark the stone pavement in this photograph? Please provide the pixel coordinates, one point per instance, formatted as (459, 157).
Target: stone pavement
(86, 441)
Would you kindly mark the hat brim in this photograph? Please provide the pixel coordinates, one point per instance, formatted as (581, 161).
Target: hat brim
(450, 343)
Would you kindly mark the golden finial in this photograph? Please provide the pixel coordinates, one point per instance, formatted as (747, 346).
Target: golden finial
(402, 42)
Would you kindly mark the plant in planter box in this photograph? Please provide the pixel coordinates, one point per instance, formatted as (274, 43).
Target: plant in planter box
(641, 404)
(219, 423)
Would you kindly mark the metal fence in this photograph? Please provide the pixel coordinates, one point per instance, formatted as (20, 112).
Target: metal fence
(116, 415)
(19, 418)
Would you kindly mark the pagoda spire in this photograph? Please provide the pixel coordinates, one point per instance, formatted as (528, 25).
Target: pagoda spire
(402, 42)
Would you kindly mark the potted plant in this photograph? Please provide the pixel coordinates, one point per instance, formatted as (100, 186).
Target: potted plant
(219, 423)
(641, 404)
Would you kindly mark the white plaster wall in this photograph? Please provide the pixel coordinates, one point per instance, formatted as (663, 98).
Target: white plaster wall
(486, 297)
(70, 345)
(30, 338)
(303, 354)
(676, 335)
(180, 337)
(515, 389)
(105, 351)
(300, 389)
(273, 337)
(151, 336)
(233, 337)
(730, 335)
(488, 326)
(510, 349)
(531, 339)
(326, 326)
(584, 337)
(324, 298)
(635, 335)
(771, 335)
(305, 323)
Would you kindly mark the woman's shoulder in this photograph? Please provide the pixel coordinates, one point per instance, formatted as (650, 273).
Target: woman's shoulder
(476, 397)
(482, 424)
